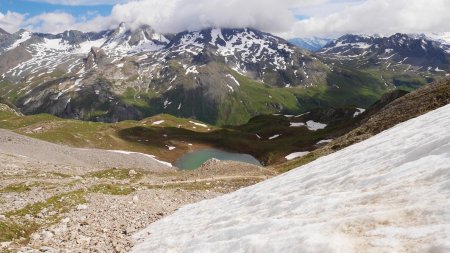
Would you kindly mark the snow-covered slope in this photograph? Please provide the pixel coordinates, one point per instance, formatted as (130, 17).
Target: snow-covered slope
(390, 193)
(442, 37)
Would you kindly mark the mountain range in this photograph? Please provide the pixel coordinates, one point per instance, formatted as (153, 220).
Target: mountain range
(219, 76)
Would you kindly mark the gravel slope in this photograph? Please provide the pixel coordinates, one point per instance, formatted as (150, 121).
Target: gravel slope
(59, 199)
(19, 145)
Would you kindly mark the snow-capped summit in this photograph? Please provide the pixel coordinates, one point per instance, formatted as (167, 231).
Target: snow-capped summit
(390, 193)
(247, 49)
(12, 41)
(441, 37)
(123, 41)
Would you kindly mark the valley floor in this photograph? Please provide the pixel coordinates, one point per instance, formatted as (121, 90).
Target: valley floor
(59, 199)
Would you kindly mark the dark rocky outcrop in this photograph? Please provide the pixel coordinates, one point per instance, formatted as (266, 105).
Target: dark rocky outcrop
(12, 58)
(96, 56)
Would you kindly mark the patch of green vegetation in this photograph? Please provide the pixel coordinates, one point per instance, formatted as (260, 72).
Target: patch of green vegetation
(9, 120)
(191, 186)
(344, 88)
(140, 100)
(23, 187)
(206, 185)
(408, 82)
(12, 231)
(253, 99)
(111, 189)
(285, 167)
(21, 227)
(61, 175)
(59, 203)
(16, 188)
(75, 133)
(9, 90)
(120, 174)
(96, 113)
(57, 73)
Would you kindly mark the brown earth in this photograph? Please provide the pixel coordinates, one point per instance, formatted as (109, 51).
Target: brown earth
(52, 199)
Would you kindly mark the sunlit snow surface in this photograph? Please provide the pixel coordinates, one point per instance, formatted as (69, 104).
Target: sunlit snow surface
(390, 193)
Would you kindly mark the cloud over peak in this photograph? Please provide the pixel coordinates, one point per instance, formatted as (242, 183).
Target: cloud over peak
(179, 15)
(328, 18)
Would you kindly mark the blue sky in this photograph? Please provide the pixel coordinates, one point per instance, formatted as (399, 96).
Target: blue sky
(33, 8)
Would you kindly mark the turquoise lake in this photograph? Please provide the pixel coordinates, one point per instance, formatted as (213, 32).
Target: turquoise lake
(193, 160)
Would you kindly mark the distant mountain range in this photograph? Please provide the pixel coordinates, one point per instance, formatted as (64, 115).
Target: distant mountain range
(220, 76)
(401, 60)
(315, 44)
(312, 44)
(417, 51)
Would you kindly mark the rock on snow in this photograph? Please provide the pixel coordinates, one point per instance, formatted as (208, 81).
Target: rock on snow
(390, 193)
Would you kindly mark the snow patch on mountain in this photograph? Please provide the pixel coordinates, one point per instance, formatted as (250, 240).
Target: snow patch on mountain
(250, 47)
(24, 36)
(296, 155)
(314, 126)
(359, 112)
(216, 34)
(234, 79)
(198, 124)
(297, 124)
(142, 154)
(190, 43)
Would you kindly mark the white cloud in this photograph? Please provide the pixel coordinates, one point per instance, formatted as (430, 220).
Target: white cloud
(50, 22)
(11, 21)
(178, 15)
(329, 18)
(325, 7)
(379, 16)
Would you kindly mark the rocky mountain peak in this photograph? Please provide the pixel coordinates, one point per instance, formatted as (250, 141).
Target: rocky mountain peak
(95, 57)
(4, 35)
(3, 32)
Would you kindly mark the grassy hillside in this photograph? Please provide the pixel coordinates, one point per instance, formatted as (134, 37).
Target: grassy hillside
(207, 98)
(382, 116)
(156, 134)
(342, 88)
